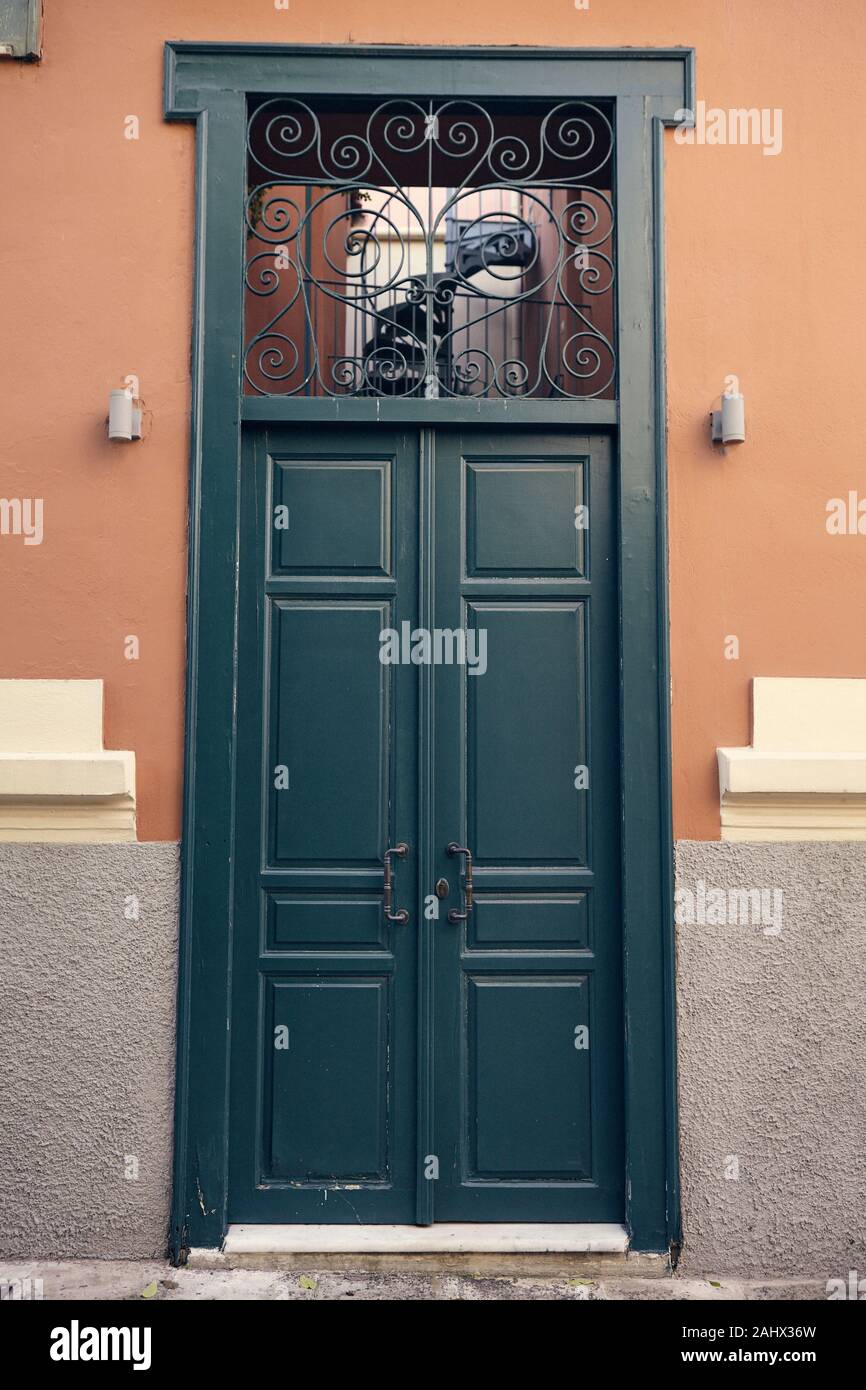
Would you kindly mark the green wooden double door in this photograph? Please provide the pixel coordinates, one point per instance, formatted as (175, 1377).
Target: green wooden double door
(426, 993)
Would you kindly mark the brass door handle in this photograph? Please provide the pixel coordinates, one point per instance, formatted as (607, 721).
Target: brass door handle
(455, 916)
(401, 915)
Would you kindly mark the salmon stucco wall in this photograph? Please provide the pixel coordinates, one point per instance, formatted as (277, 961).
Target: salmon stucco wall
(764, 280)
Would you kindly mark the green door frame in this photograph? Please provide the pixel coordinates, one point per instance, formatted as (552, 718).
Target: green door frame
(210, 84)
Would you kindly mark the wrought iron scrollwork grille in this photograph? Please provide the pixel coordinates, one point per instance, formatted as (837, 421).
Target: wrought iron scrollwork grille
(430, 249)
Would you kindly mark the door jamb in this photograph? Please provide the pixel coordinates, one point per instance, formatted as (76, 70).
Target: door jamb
(209, 83)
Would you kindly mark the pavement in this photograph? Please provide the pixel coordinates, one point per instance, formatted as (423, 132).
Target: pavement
(119, 1280)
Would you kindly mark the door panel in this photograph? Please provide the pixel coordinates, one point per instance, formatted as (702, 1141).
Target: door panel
(536, 672)
(338, 517)
(512, 920)
(520, 518)
(521, 1130)
(317, 1078)
(323, 1047)
(328, 1035)
(325, 684)
(307, 921)
(528, 1033)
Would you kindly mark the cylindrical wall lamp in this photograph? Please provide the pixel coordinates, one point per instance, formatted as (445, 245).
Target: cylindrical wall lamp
(728, 425)
(124, 416)
(120, 415)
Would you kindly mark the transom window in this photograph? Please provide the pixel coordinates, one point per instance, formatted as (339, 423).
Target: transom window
(430, 249)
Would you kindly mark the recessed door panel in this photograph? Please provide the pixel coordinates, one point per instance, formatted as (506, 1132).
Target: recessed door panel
(528, 1104)
(326, 1102)
(332, 516)
(328, 795)
(526, 734)
(525, 517)
(553, 920)
(325, 922)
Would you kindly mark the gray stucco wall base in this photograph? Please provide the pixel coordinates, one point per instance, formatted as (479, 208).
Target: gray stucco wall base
(772, 1063)
(771, 1055)
(87, 1051)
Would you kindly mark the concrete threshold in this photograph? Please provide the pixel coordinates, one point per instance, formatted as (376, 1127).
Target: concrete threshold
(466, 1237)
(542, 1265)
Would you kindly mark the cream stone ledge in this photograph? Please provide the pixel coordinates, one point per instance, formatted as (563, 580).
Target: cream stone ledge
(804, 777)
(57, 782)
